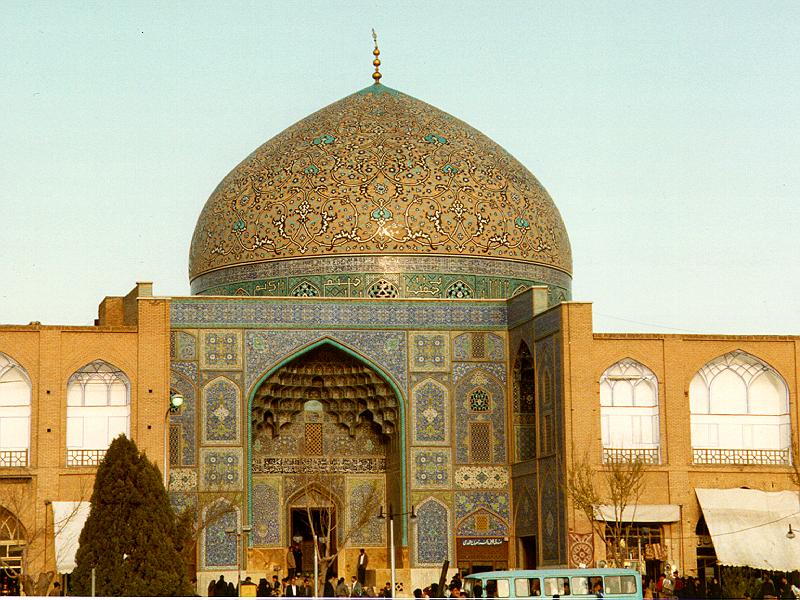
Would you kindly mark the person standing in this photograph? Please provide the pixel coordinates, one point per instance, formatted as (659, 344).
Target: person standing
(291, 563)
(221, 587)
(356, 590)
(291, 588)
(361, 570)
(329, 591)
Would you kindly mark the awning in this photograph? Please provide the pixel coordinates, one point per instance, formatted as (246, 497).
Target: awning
(749, 527)
(641, 513)
(68, 521)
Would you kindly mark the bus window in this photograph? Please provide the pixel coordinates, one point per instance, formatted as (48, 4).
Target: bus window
(556, 586)
(536, 587)
(521, 588)
(580, 586)
(620, 584)
(497, 588)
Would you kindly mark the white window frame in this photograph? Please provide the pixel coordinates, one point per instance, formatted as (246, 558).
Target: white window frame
(85, 405)
(630, 425)
(15, 407)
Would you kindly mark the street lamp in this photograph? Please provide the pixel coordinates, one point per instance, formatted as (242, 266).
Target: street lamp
(175, 403)
(238, 533)
(391, 516)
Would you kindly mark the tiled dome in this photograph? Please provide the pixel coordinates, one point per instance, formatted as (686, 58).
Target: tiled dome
(399, 197)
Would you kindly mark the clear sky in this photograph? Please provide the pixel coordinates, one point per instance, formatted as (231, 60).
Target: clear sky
(668, 134)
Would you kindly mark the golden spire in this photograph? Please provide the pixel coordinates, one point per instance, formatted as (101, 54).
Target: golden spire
(377, 62)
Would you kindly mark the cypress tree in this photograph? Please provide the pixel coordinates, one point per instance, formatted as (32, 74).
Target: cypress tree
(129, 536)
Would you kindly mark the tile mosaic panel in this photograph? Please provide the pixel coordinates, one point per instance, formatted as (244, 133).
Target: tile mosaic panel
(547, 323)
(186, 420)
(266, 495)
(460, 369)
(429, 352)
(469, 502)
(433, 533)
(365, 496)
(551, 523)
(182, 480)
(219, 548)
(430, 468)
(286, 313)
(183, 346)
(180, 501)
(482, 523)
(525, 506)
(187, 369)
(221, 412)
(476, 478)
(221, 350)
(221, 469)
(387, 349)
(520, 309)
(525, 441)
(467, 377)
(430, 413)
(478, 345)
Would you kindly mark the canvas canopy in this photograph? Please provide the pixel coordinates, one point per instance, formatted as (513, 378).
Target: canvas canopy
(641, 513)
(68, 521)
(749, 527)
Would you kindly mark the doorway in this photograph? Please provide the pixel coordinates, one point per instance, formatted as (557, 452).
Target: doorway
(305, 522)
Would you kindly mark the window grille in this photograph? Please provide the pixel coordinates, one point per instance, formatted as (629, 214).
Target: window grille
(480, 442)
(313, 439)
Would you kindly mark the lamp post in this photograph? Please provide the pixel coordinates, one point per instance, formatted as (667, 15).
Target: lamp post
(238, 533)
(175, 403)
(390, 516)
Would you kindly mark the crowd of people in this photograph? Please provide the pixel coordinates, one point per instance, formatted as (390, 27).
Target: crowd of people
(693, 588)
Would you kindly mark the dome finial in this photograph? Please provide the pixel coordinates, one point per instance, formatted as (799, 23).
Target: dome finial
(377, 62)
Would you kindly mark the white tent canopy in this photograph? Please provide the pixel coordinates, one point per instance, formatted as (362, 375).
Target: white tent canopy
(749, 527)
(68, 520)
(640, 513)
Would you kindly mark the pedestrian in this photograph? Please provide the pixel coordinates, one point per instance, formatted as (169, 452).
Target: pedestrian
(767, 587)
(221, 587)
(329, 591)
(342, 591)
(263, 590)
(292, 590)
(361, 568)
(356, 589)
(291, 563)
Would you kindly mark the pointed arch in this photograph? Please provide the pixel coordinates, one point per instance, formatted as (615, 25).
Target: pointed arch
(629, 413)
(380, 371)
(524, 404)
(482, 522)
(433, 543)
(183, 432)
(430, 412)
(220, 412)
(98, 410)
(15, 413)
(218, 548)
(739, 407)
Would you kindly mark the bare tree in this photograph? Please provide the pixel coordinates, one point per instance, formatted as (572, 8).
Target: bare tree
(325, 526)
(618, 484)
(31, 535)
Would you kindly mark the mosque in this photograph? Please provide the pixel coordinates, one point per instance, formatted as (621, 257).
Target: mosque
(381, 324)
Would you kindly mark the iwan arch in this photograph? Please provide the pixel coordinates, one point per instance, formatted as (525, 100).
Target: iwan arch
(382, 302)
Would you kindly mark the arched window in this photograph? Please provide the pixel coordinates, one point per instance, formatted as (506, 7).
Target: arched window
(98, 410)
(15, 413)
(739, 412)
(524, 405)
(629, 413)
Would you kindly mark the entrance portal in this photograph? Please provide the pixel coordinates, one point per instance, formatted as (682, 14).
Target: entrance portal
(326, 437)
(307, 523)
